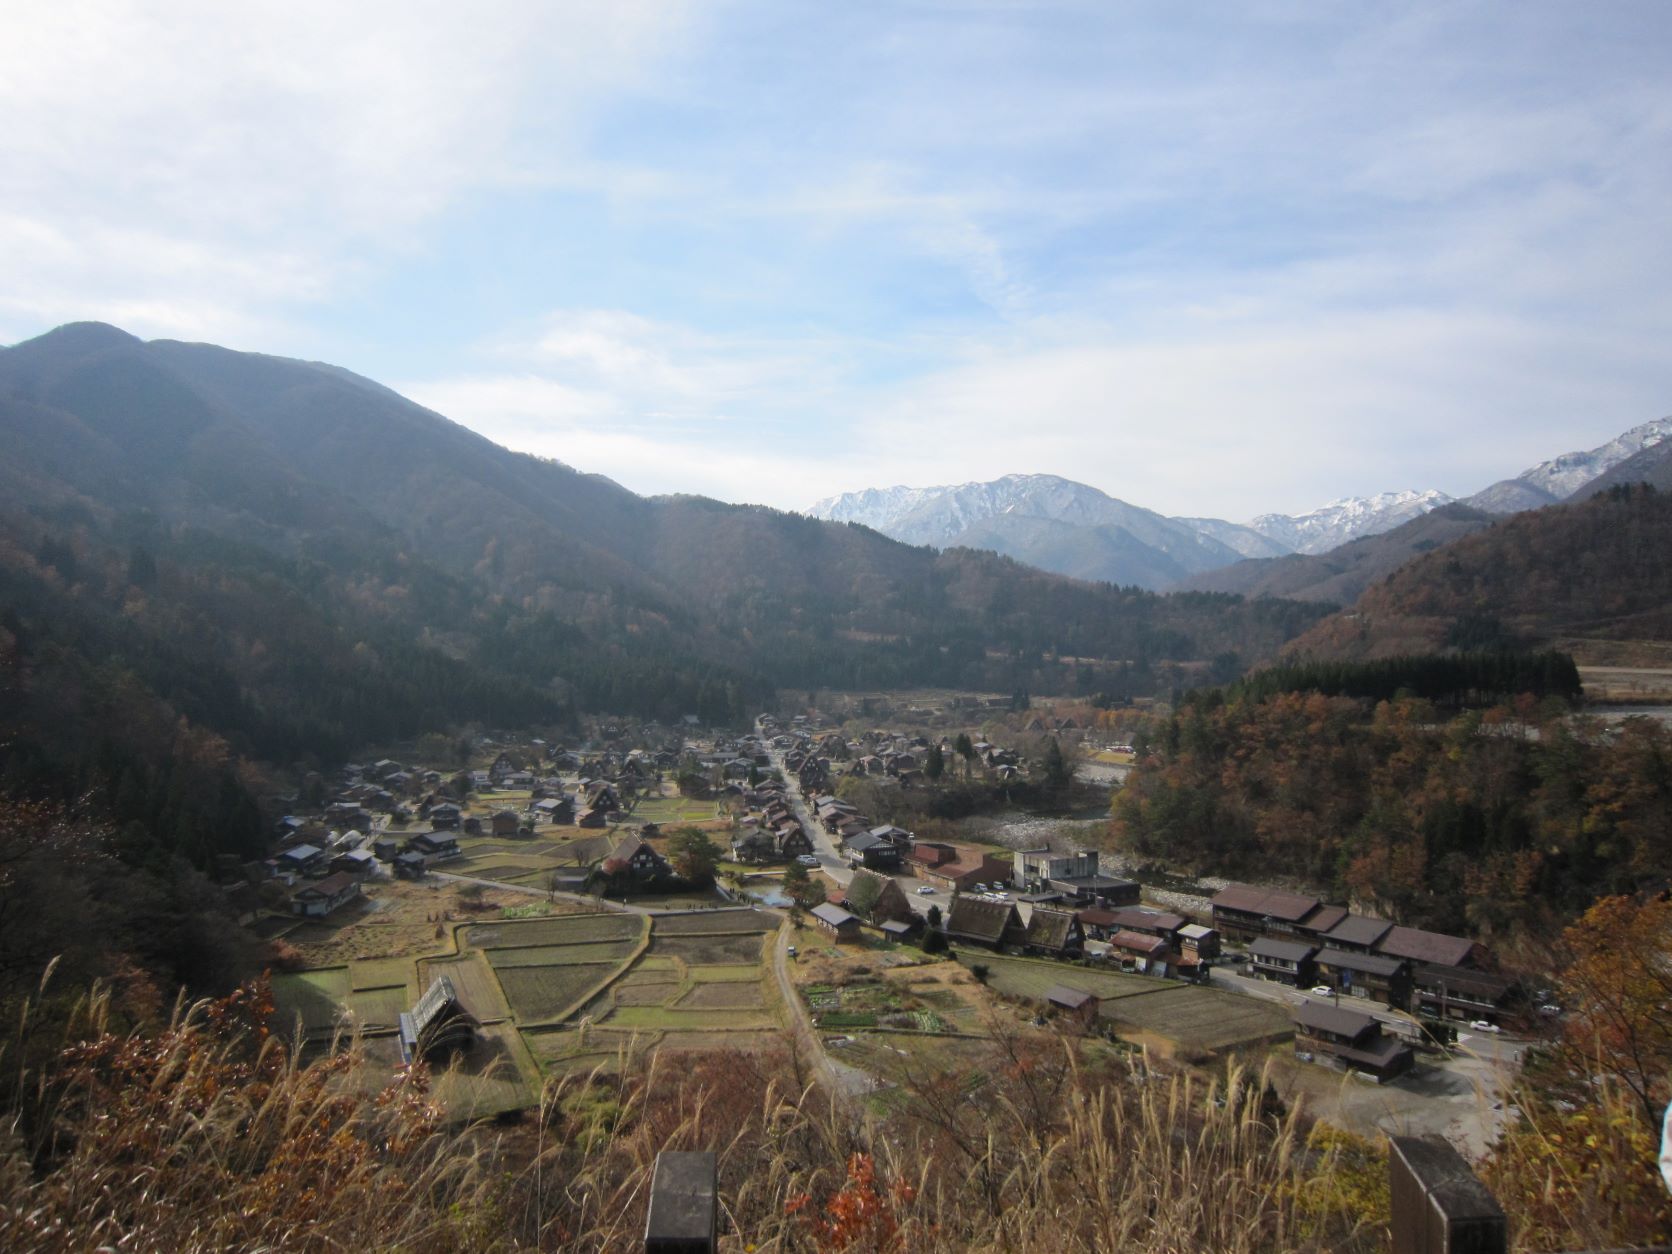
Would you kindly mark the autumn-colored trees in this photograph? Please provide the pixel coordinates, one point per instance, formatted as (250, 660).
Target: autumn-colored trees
(1616, 989)
(1490, 821)
(1577, 1168)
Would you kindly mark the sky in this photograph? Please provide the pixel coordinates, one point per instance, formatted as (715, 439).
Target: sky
(1212, 258)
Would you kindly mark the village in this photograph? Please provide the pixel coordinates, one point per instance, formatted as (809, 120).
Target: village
(556, 907)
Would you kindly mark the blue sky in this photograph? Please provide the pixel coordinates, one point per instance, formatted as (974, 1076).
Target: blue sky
(1214, 259)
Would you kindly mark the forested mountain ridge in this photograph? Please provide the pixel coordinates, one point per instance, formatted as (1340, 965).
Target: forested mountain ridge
(1341, 575)
(1589, 575)
(299, 560)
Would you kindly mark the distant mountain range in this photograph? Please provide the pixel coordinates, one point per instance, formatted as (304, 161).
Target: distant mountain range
(301, 561)
(1074, 529)
(1562, 477)
(1340, 576)
(1054, 524)
(1330, 526)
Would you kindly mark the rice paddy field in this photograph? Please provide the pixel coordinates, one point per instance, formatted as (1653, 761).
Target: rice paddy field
(1207, 1019)
(545, 993)
(560, 993)
(1161, 1012)
(711, 949)
(316, 998)
(564, 930)
(473, 981)
(1033, 977)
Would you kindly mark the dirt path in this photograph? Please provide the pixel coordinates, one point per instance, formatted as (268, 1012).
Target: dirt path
(837, 1077)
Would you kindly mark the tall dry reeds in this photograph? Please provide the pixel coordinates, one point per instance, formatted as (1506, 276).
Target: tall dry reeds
(210, 1135)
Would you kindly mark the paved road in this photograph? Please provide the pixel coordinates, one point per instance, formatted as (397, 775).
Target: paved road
(824, 846)
(830, 857)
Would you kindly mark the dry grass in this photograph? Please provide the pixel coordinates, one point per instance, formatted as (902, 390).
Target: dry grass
(208, 1135)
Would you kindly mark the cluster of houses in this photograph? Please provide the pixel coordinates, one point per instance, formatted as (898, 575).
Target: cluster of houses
(768, 830)
(889, 759)
(1299, 940)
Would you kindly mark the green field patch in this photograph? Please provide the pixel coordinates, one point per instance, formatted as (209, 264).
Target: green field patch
(492, 870)
(743, 1038)
(725, 973)
(709, 950)
(711, 921)
(1032, 978)
(379, 1007)
(533, 910)
(317, 996)
(651, 962)
(666, 810)
(1201, 1018)
(486, 1080)
(541, 993)
(472, 981)
(563, 929)
(663, 1018)
(721, 997)
(645, 994)
(846, 1019)
(475, 847)
(560, 955)
(379, 972)
(574, 1051)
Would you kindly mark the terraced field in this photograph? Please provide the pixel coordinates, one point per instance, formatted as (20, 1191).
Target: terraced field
(700, 950)
(474, 982)
(317, 997)
(540, 994)
(560, 955)
(562, 993)
(716, 996)
(380, 973)
(1034, 977)
(379, 1008)
(707, 922)
(564, 930)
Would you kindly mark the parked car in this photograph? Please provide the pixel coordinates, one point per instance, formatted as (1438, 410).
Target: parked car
(1481, 1025)
(926, 891)
(1323, 990)
(807, 859)
(791, 950)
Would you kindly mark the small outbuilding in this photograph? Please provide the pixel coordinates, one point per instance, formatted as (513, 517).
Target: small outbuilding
(837, 922)
(439, 1026)
(1074, 1002)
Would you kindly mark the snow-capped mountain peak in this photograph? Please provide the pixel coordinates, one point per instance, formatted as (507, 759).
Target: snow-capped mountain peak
(1562, 476)
(1332, 525)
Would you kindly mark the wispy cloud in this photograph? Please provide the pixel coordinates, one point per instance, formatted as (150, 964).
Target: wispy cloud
(1215, 261)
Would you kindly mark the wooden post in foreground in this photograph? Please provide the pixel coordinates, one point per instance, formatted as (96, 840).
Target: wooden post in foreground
(683, 1204)
(1439, 1205)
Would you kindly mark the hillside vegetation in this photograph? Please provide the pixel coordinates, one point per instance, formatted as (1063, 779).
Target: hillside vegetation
(1580, 574)
(1497, 823)
(1341, 575)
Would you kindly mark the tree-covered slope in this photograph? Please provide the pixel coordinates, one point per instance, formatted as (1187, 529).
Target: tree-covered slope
(1590, 572)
